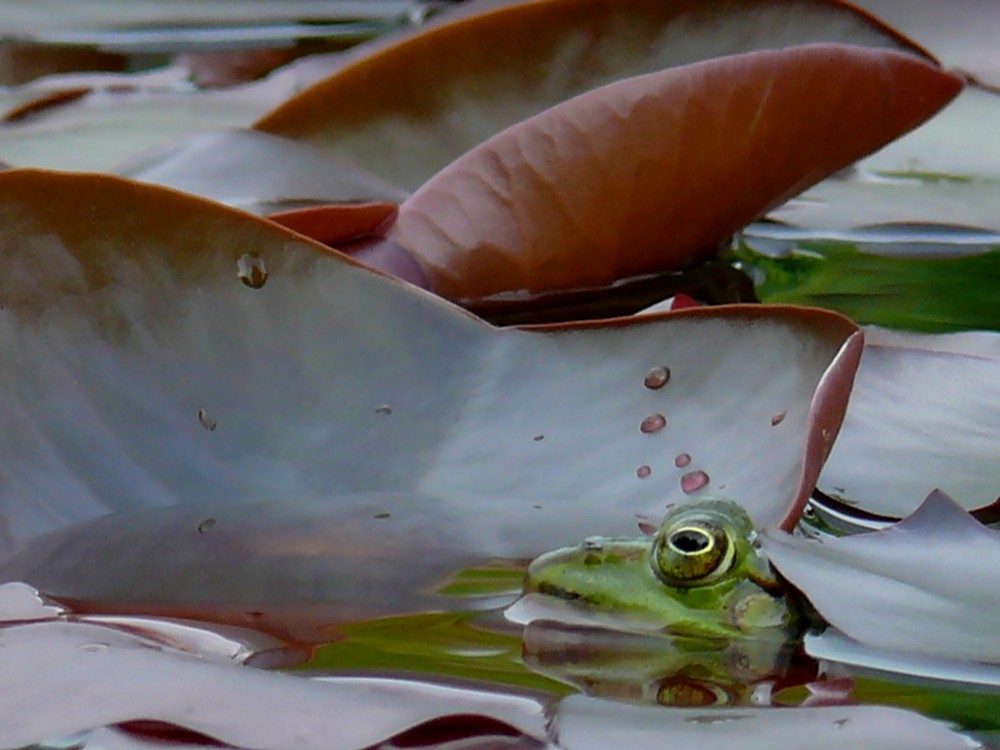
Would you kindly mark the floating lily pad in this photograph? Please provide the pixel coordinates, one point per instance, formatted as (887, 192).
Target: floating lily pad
(586, 723)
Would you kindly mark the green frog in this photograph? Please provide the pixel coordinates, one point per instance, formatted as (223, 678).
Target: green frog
(702, 574)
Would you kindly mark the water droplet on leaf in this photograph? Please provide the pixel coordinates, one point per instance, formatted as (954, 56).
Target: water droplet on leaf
(207, 420)
(251, 270)
(653, 423)
(643, 471)
(694, 481)
(657, 378)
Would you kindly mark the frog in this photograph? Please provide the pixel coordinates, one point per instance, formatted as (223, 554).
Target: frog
(701, 574)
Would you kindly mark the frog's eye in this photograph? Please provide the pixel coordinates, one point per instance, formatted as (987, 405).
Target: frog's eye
(689, 553)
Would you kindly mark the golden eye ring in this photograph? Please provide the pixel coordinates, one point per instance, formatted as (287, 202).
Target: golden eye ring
(691, 553)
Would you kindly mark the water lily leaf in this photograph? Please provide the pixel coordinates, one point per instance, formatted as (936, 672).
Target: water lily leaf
(414, 104)
(257, 172)
(947, 171)
(887, 663)
(962, 36)
(615, 183)
(55, 663)
(57, 19)
(860, 201)
(167, 351)
(920, 419)
(926, 584)
(106, 126)
(590, 724)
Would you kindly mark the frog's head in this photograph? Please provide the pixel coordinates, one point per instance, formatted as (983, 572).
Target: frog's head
(701, 574)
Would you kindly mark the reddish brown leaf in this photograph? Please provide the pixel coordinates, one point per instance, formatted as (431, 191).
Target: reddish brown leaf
(653, 172)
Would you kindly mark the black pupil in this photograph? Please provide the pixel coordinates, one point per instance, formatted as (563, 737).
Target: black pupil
(690, 541)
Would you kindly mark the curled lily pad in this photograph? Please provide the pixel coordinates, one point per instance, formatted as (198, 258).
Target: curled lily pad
(413, 105)
(926, 584)
(166, 351)
(924, 413)
(615, 183)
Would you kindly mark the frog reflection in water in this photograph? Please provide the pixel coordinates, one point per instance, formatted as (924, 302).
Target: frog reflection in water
(700, 575)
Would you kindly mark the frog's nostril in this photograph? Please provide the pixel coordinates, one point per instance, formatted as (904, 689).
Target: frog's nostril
(690, 541)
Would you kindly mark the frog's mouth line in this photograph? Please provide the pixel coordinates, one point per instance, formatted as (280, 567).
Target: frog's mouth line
(558, 592)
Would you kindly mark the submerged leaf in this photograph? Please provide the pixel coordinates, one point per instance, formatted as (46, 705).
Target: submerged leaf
(921, 278)
(926, 584)
(651, 173)
(142, 372)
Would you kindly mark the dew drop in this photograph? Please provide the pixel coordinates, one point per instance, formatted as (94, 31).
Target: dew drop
(657, 378)
(646, 525)
(205, 525)
(643, 471)
(592, 544)
(682, 460)
(207, 420)
(653, 423)
(251, 270)
(778, 418)
(94, 648)
(694, 481)
(383, 409)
